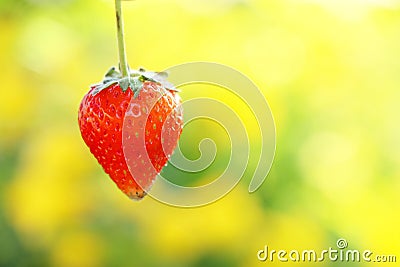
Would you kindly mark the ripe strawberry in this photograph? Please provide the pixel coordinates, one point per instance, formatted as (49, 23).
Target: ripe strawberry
(131, 125)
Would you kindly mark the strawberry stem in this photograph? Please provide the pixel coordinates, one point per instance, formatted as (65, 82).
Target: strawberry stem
(123, 64)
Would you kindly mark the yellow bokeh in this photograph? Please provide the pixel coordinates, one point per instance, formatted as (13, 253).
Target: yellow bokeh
(329, 70)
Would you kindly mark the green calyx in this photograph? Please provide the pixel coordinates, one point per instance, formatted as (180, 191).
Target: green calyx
(134, 81)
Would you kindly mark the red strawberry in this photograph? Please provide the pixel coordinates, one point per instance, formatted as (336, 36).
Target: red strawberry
(131, 125)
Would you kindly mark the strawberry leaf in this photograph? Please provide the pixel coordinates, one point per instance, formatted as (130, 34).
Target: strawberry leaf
(113, 73)
(134, 81)
(124, 83)
(99, 87)
(136, 85)
(158, 77)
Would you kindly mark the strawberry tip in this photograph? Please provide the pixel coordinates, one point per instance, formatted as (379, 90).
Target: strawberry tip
(136, 195)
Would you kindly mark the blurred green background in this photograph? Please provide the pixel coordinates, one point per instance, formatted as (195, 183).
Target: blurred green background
(329, 69)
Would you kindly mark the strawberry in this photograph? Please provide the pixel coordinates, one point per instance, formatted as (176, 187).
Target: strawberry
(131, 125)
(131, 122)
